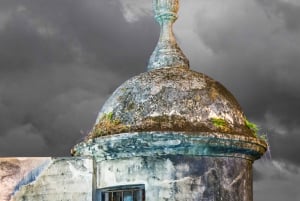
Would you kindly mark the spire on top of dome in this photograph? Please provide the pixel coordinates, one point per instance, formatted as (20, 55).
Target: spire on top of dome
(167, 53)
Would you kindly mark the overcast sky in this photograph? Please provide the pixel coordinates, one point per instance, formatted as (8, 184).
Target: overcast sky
(61, 59)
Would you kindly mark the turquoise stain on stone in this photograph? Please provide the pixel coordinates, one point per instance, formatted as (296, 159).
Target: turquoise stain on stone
(128, 145)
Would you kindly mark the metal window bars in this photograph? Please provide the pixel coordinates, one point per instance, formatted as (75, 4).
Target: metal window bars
(122, 193)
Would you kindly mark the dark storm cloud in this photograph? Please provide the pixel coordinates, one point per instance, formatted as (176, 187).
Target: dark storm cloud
(59, 60)
(289, 11)
(254, 51)
(100, 31)
(278, 181)
(258, 59)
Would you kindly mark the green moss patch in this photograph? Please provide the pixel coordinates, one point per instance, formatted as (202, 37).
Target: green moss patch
(255, 130)
(221, 124)
(253, 127)
(107, 125)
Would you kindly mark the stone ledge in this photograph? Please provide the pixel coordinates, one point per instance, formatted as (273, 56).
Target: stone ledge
(127, 145)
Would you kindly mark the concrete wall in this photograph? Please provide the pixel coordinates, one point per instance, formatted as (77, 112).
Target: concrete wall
(171, 166)
(61, 179)
(166, 178)
(176, 166)
(13, 170)
(178, 178)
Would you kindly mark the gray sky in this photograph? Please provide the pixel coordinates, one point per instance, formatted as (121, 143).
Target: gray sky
(61, 59)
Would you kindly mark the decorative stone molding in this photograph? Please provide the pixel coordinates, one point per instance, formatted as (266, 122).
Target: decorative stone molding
(128, 145)
(167, 53)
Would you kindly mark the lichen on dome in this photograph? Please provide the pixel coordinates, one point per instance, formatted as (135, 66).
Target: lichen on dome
(171, 99)
(171, 104)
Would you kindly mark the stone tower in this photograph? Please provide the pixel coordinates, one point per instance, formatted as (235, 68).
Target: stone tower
(171, 133)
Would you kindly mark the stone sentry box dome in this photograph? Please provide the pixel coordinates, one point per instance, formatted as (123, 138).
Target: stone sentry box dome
(177, 132)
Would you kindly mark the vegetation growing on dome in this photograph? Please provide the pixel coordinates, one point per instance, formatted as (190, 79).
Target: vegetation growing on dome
(264, 137)
(255, 128)
(169, 123)
(110, 124)
(221, 124)
(107, 125)
(252, 126)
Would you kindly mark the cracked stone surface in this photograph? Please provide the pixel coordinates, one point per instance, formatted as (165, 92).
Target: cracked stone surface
(12, 170)
(126, 145)
(173, 99)
(63, 179)
(178, 178)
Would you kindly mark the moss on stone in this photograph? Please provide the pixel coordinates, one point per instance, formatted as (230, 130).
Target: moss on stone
(221, 124)
(218, 122)
(252, 126)
(263, 137)
(107, 125)
(167, 123)
(131, 106)
(214, 93)
(179, 123)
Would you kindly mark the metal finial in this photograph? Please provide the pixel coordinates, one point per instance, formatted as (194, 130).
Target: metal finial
(167, 52)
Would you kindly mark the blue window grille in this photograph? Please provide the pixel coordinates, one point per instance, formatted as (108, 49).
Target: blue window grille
(121, 193)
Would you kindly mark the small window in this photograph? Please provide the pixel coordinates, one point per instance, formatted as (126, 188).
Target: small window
(122, 193)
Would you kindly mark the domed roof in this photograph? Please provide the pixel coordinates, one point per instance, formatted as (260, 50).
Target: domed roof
(170, 96)
(171, 99)
(171, 110)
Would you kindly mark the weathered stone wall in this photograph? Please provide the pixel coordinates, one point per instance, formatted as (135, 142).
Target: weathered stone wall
(64, 179)
(12, 170)
(176, 166)
(178, 178)
(166, 177)
(128, 145)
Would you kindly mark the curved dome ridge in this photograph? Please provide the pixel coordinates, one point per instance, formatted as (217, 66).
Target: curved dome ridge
(174, 99)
